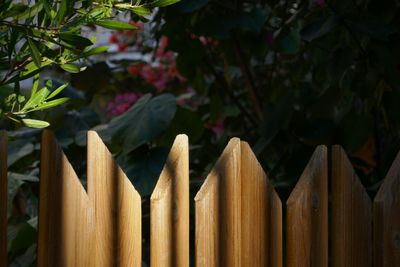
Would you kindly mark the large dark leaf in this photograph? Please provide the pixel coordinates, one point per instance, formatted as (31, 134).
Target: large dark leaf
(185, 122)
(142, 122)
(144, 172)
(319, 28)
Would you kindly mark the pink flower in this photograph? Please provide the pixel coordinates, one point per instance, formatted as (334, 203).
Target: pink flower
(173, 72)
(164, 42)
(113, 39)
(217, 127)
(135, 69)
(121, 103)
(156, 76)
(148, 73)
(122, 47)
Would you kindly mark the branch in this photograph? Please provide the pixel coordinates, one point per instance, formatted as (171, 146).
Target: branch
(235, 100)
(251, 86)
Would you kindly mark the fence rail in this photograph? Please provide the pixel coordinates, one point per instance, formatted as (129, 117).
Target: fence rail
(238, 214)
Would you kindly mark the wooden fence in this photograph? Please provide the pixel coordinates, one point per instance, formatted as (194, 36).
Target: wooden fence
(239, 220)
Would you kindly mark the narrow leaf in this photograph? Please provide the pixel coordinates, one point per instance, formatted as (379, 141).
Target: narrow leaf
(57, 91)
(95, 51)
(51, 104)
(162, 3)
(115, 25)
(35, 123)
(63, 11)
(37, 59)
(139, 10)
(35, 84)
(75, 40)
(70, 68)
(36, 100)
(31, 11)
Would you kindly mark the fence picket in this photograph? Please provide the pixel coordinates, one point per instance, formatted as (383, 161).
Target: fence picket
(387, 219)
(3, 199)
(352, 215)
(261, 212)
(117, 209)
(66, 223)
(307, 215)
(169, 210)
(234, 219)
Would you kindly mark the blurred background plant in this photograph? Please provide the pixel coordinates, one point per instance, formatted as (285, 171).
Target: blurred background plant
(283, 75)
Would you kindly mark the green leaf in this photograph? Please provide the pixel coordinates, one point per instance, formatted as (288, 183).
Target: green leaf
(62, 11)
(35, 53)
(51, 104)
(319, 28)
(139, 10)
(144, 121)
(35, 85)
(185, 122)
(115, 25)
(25, 237)
(57, 91)
(145, 171)
(75, 40)
(71, 68)
(36, 99)
(31, 11)
(162, 3)
(95, 51)
(35, 123)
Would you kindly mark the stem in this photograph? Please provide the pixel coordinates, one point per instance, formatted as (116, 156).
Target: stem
(251, 86)
(235, 100)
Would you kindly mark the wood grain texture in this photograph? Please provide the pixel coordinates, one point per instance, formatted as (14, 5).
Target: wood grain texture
(261, 214)
(387, 219)
(307, 215)
(66, 221)
(3, 199)
(169, 210)
(238, 214)
(352, 215)
(117, 209)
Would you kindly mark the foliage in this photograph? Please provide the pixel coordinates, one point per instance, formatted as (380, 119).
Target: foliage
(283, 75)
(36, 35)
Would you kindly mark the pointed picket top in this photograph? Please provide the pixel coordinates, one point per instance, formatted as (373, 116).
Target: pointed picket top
(237, 212)
(352, 215)
(387, 219)
(66, 222)
(117, 209)
(307, 215)
(169, 210)
(261, 211)
(218, 212)
(3, 199)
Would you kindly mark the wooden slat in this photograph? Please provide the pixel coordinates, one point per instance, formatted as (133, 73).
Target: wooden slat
(117, 208)
(218, 212)
(65, 217)
(169, 210)
(387, 219)
(307, 215)
(352, 215)
(237, 211)
(3, 199)
(261, 222)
